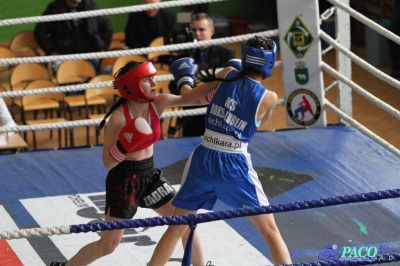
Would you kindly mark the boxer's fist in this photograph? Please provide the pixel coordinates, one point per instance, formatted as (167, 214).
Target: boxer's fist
(235, 63)
(184, 70)
(133, 134)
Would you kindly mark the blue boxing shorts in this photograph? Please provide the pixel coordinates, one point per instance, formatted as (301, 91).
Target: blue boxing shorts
(225, 173)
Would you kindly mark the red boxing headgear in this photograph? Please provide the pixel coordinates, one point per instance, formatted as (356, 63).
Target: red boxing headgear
(128, 84)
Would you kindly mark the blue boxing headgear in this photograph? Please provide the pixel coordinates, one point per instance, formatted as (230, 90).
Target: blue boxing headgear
(260, 54)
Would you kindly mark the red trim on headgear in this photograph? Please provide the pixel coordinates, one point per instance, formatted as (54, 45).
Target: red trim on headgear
(129, 86)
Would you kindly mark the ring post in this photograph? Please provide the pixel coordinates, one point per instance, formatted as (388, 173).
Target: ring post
(188, 249)
(300, 51)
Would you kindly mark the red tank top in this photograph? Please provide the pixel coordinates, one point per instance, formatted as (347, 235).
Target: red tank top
(154, 124)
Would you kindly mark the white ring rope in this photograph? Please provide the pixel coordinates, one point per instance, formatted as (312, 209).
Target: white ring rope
(85, 86)
(80, 87)
(96, 122)
(383, 105)
(45, 231)
(362, 63)
(366, 21)
(92, 122)
(59, 230)
(187, 46)
(362, 128)
(138, 51)
(67, 88)
(70, 88)
(101, 12)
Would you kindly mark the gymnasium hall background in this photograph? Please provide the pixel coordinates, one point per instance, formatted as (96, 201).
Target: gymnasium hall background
(54, 188)
(257, 10)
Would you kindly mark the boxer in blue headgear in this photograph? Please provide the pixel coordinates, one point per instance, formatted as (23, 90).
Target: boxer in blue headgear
(220, 167)
(258, 56)
(259, 53)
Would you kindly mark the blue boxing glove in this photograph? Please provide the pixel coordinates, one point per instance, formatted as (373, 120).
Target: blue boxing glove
(184, 71)
(235, 63)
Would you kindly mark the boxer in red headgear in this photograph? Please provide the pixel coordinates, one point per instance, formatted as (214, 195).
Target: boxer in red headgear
(133, 181)
(129, 85)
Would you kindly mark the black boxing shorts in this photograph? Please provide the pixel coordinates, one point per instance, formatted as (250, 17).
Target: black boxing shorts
(133, 184)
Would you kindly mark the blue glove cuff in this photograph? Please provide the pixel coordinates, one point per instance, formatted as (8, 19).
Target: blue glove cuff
(185, 80)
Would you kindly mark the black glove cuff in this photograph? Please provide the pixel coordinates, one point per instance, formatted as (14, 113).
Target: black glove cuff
(119, 145)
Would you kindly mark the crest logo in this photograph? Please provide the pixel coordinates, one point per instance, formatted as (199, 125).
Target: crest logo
(303, 107)
(298, 38)
(301, 73)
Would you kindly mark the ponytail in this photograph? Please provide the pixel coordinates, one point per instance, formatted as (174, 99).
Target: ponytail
(112, 109)
(128, 66)
(210, 77)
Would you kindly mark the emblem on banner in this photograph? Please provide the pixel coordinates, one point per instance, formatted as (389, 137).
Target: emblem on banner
(303, 107)
(298, 38)
(301, 73)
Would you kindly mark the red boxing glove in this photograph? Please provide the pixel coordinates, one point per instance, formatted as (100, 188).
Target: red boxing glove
(133, 134)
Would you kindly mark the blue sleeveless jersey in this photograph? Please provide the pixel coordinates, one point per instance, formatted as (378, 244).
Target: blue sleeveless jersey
(233, 110)
(221, 168)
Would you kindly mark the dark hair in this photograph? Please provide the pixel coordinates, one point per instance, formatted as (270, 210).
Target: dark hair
(210, 77)
(128, 66)
(256, 42)
(259, 42)
(200, 16)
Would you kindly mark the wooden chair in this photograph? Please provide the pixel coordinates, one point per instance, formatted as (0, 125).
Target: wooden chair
(75, 72)
(7, 100)
(159, 41)
(44, 102)
(94, 97)
(121, 61)
(97, 132)
(6, 53)
(70, 73)
(21, 75)
(118, 41)
(24, 44)
(105, 65)
(89, 99)
(162, 86)
(110, 94)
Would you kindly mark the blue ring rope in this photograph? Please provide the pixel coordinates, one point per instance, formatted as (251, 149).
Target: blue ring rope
(193, 219)
(234, 213)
